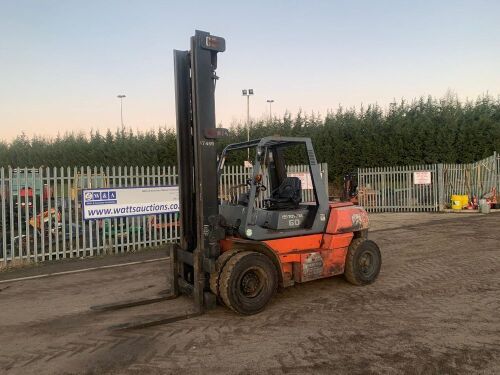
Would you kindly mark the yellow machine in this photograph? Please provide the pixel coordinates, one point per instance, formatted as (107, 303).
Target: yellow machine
(86, 181)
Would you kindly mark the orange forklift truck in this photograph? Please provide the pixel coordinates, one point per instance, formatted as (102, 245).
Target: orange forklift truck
(240, 251)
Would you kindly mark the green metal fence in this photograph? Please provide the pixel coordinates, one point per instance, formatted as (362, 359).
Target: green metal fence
(41, 218)
(425, 187)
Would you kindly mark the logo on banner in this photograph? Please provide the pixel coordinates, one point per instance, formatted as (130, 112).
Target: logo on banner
(100, 197)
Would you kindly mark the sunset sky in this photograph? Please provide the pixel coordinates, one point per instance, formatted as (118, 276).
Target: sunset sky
(62, 63)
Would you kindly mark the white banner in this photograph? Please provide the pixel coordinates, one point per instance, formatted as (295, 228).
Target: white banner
(129, 201)
(422, 178)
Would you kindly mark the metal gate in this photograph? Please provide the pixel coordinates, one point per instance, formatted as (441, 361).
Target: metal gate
(474, 179)
(394, 189)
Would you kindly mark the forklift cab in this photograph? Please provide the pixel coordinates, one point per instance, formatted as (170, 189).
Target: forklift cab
(270, 204)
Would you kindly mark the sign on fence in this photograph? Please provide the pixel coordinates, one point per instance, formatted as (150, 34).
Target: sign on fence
(305, 179)
(422, 178)
(129, 201)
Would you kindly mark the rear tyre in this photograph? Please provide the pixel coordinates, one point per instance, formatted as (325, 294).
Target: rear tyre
(247, 282)
(363, 262)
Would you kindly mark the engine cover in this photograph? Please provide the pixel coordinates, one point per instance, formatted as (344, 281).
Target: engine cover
(347, 218)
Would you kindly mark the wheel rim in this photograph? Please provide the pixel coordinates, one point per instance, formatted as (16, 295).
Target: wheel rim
(367, 264)
(251, 282)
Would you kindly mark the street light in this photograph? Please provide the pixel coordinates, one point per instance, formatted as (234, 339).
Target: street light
(121, 96)
(270, 101)
(247, 93)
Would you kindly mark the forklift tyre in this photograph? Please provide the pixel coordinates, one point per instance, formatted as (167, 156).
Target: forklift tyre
(247, 282)
(363, 262)
(219, 266)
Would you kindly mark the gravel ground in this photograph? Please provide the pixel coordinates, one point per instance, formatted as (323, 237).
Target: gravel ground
(435, 309)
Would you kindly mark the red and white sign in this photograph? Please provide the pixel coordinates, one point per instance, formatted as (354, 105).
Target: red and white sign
(422, 178)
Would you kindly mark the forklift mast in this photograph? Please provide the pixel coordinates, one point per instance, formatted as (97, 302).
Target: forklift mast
(195, 81)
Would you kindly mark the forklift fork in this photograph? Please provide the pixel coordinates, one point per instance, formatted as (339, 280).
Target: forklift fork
(131, 303)
(174, 293)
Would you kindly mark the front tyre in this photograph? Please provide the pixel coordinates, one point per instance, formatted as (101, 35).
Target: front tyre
(247, 282)
(219, 266)
(363, 262)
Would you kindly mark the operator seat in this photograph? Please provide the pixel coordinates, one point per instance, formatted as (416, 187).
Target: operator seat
(287, 196)
(243, 199)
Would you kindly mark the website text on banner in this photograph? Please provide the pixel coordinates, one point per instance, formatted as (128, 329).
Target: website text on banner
(130, 201)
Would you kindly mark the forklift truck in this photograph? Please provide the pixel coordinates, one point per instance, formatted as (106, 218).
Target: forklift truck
(236, 251)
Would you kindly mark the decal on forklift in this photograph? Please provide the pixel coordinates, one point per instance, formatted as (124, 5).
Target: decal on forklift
(294, 220)
(360, 220)
(207, 143)
(312, 267)
(292, 216)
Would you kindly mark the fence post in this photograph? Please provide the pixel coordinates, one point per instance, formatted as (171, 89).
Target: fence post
(496, 171)
(324, 167)
(440, 186)
(4, 218)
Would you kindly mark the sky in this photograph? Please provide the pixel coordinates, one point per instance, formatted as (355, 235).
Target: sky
(62, 63)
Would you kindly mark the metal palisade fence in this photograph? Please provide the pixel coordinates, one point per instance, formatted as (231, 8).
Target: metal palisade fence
(474, 179)
(393, 189)
(425, 187)
(41, 213)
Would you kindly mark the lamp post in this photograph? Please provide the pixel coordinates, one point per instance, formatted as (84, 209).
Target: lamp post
(247, 93)
(270, 101)
(121, 96)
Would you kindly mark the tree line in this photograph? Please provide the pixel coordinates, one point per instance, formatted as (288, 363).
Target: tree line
(427, 130)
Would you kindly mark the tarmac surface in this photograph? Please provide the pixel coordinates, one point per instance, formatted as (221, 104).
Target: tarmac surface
(435, 309)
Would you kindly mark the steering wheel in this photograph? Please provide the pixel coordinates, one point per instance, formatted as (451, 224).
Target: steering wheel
(231, 188)
(234, 187)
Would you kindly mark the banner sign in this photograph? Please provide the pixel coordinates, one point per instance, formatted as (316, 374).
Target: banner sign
(129, 201)
(422, 178)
